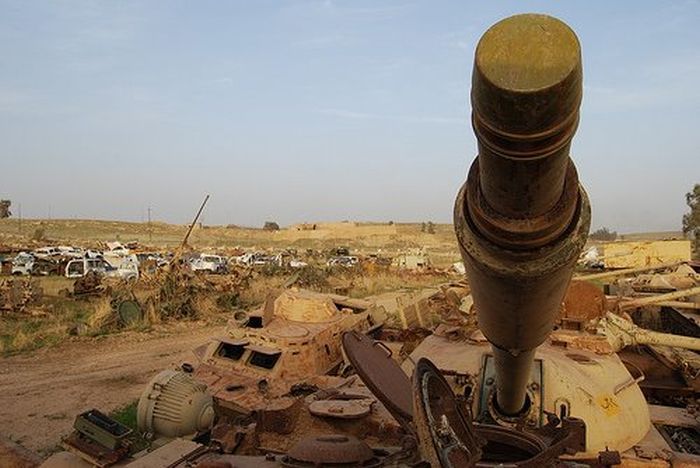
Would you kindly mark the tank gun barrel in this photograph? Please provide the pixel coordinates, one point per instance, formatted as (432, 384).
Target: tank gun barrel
(522, 218)
(622, 333)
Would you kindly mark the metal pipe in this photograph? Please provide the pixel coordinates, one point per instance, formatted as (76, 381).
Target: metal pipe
(521, 218)
(651, 300)
(621, 333)
(679, 304)
(627, 271)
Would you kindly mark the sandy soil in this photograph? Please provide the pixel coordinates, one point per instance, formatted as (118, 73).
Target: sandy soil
(42, 392)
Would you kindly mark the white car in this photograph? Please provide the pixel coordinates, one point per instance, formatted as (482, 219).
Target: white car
(347, 261)
(210, 263)
(126, 270)
(92, 254)
(117, 249)
(67, 251)
(45, 252)
(82, 266)
(297, 263)
(255, 259)
(23, 264)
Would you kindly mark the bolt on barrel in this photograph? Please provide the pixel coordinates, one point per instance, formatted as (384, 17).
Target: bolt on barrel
(522, 218)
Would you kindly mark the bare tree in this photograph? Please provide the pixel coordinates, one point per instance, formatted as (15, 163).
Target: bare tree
(5, 209)
(604, 234)
(691, 220)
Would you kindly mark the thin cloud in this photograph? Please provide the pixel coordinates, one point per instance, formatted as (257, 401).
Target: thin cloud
(321, 42)
(330, 7)
(224, 80)
(659, 91)
(349, 114)
(462, 40)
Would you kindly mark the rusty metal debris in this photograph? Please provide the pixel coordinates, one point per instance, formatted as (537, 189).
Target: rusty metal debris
(445, 434)
(90, 284)
(14, 455)
(17, 294)
(330, 450)
(584, 301)
(374, 365)
(98, 439)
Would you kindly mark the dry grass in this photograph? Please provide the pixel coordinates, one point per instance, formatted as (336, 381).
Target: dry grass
(64, 316)
(102, 315)
(25, 331)
(52, 285)
(259, 288)
(364, 286)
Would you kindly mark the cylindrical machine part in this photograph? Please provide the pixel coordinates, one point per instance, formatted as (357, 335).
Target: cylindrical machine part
(509, 370)
(526, 92)
(521, 218)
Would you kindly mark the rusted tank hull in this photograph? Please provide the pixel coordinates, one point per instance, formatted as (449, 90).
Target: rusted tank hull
(522, 218)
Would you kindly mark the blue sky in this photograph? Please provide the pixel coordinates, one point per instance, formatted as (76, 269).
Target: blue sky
(321, 110)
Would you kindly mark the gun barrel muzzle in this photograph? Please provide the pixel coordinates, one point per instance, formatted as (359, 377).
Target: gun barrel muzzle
(522, 218)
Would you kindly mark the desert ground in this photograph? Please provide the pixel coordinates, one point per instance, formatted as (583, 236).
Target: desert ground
(42, 391)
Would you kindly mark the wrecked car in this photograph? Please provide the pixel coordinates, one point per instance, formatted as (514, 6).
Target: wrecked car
(209, 263)
(23, 264)
(82, 266)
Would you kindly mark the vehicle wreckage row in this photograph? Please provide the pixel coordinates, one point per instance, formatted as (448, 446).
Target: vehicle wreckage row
(74, 262)
(119, 262)
(318, 381)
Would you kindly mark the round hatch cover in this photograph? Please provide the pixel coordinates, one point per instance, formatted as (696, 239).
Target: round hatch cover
(129, 312)
(330, 450)
(445, 434)
(373, 363)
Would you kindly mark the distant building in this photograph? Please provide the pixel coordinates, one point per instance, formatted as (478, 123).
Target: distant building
(645, 253)
(412, 259)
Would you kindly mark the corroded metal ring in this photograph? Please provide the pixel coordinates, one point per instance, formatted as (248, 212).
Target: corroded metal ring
(524, 233)
(525, 146)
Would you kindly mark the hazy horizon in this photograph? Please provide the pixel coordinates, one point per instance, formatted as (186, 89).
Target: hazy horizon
(289, 225)
(299, 111)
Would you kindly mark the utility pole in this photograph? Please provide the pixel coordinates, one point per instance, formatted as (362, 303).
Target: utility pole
(194, 221)
(178, 251)
(20, 218)
(150, 230)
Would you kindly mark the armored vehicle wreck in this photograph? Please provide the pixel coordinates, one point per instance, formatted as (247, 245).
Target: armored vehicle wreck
(291, 339)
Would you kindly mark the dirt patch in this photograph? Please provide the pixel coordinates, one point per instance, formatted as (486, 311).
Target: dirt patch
(42, 392)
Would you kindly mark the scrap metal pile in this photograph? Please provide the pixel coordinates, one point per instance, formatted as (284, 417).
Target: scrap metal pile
(16, 294)
(177, 292)
(523, 369)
